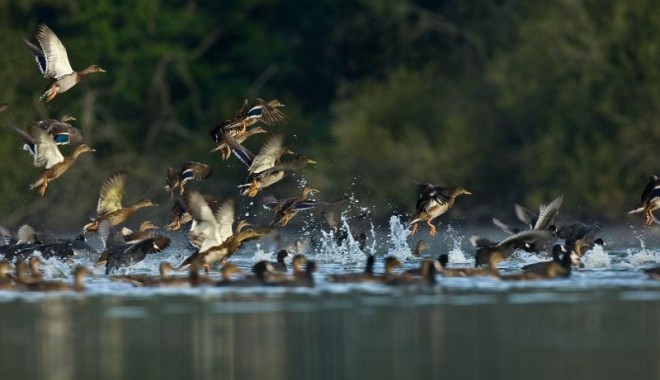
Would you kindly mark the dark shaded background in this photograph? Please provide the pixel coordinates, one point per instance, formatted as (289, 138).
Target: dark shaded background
(518, 101)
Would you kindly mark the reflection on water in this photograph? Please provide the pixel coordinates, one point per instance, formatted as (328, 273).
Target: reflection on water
(353, 335)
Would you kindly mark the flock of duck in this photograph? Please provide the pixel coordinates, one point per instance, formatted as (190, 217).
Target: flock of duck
(215, 233)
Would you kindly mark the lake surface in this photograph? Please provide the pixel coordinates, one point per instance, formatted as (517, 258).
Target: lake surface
(602, 322)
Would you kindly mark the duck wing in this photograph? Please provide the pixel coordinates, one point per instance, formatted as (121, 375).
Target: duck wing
(111, 194)
(196, 170)
(241, 152)
(48, 155)
(224, 215)
(206, 231)
(548, 213)
(55, 55)
(268, 155)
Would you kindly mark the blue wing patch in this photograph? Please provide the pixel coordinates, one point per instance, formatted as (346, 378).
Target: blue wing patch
(61, 139)
(41, 61)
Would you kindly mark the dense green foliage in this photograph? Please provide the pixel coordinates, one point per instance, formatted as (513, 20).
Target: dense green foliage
(518, 101)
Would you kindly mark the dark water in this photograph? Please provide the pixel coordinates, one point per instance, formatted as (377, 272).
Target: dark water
(311, 334)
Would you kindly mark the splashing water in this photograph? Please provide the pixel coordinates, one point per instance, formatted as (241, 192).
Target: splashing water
(596, 258)
(348, 251)
(456, 254)
(398, 244)
(260, 254)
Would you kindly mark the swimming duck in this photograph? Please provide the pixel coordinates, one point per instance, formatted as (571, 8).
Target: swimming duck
(548, 270)
(489, 271)
(54, 63)
(306, 278)
(5, 280)
(109, 205)
(285, 209)
(581, 246)
(389, 275)
(365, 276)
(46, 154)
(61, 131)
(222, 252)
(653, 273)
(280, 265)
(506, 247)
(432, 202)
(429, 268)
(544, 268)
(227, 272)
(117, 252)
(79, 274)
(650, 199)
(190, 170)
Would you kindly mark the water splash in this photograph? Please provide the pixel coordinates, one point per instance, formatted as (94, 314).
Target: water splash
(596, 258)
(456, 253)
(398, 240)
(346, 250)
(260, 254)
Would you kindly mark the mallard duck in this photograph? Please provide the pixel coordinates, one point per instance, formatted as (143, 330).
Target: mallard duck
(306, 278)
(61, 131)
(266, 168)
(79, 273)
(544, 271)
(429, 268)
(490, 271)
(365, 276)
(581, 246)
(285, 209)
(227, 272)
(223, 147)
(180, 216)
(210, 229)
(143, 232)
(432, 202)
(54, 63)
(543, 220)
(260, 110)
(5, 279)
(117, 252)
(189, 170)
(389, 276)
(544, 267)
(222, 252)
(506, 247)
(280, 265)
(109, 205)
(573, 232)
(28, 235)
(46, 155)
(420, 247)
(650, 199)
(653, 273)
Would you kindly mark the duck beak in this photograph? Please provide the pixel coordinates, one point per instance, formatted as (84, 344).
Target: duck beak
(467, 192)
(102, 71)
(311, 161)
